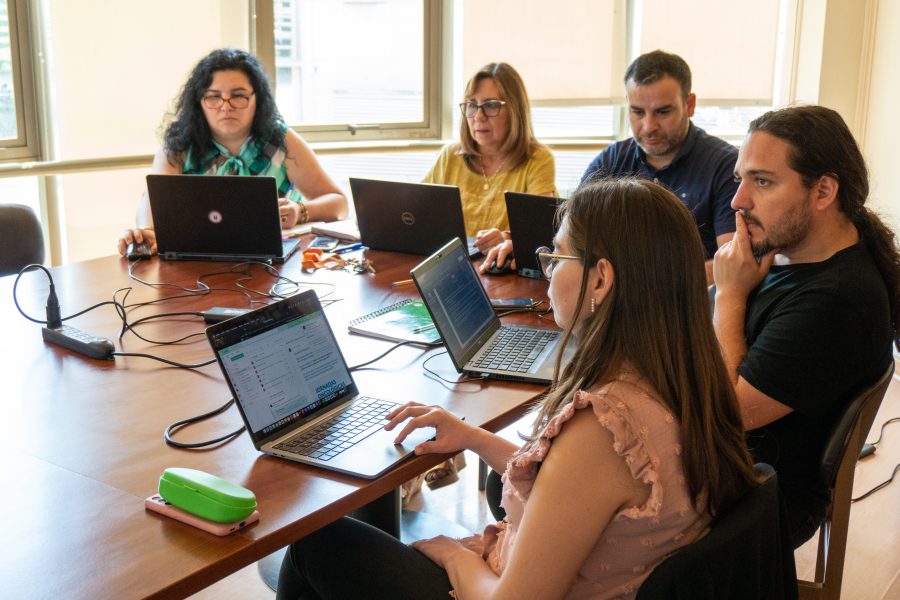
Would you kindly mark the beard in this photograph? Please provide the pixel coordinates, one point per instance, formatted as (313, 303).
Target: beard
(786, 233)
(668, 144)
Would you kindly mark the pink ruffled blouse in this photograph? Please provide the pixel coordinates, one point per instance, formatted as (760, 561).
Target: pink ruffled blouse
(637, 539)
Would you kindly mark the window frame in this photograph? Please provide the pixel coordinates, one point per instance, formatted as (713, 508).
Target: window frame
(25, 144)
(430, 127)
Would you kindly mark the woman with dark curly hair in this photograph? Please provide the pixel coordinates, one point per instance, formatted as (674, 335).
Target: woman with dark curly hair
(226, 123)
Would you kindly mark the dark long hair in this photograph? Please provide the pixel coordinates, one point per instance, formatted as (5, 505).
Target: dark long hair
(188, 128)
(821, 144)
(657, 319)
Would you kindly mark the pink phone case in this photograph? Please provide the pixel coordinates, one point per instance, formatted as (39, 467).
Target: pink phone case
(157, 504)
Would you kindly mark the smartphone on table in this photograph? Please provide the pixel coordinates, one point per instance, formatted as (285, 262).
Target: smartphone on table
(323, 242)
(156, 503)
(513, 303)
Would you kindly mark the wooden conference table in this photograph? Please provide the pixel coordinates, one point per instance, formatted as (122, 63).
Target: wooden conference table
(82, 443)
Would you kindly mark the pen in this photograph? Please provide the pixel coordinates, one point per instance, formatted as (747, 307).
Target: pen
(349, 248)
(402, 282)
(423, 328)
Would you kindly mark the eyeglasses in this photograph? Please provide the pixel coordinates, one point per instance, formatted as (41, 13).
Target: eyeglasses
(238, 101)
(491, 108)
(547, 260)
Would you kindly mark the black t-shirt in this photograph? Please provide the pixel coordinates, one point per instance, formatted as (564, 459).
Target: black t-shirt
(817, 335)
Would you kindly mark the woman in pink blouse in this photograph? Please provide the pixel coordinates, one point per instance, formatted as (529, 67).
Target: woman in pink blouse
(636, 447)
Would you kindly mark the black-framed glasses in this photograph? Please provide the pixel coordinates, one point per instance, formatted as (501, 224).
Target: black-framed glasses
(214, 101)
(547, 260)
(491, 108)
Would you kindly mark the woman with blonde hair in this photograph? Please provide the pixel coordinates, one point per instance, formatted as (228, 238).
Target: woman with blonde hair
(496, 152)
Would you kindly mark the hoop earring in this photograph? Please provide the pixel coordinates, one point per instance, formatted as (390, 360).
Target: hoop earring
(593, 305)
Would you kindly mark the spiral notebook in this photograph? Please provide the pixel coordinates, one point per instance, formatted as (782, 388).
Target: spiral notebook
(404, 321)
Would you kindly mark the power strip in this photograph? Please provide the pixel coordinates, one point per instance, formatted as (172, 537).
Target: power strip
(79, 341)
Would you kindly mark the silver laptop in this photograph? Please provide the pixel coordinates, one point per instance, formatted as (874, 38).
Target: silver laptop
(295, 393)
(478, 344)
(213, 217)
(415, 218)
(531, 225)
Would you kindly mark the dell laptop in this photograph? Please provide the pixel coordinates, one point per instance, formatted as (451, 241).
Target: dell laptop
(531, 225)
(478, 344)
(214, 217)
(296, 395)
(415, 218)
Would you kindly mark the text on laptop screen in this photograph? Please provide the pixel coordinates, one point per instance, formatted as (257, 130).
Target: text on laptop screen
(282, 374)
(455, 296)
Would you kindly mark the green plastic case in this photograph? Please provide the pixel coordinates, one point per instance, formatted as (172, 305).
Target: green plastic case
(206, 495)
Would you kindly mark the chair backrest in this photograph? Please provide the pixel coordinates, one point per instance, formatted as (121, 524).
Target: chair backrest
(21, 238)
(747, 554)
(859, 414)
(837, 471)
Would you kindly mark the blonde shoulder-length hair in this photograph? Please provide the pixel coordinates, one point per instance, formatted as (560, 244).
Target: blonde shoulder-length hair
(520, 143)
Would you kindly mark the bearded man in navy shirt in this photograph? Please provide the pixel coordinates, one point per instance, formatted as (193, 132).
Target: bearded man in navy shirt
(668, 148)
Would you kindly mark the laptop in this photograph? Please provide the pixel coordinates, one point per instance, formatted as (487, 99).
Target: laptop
(531, 225)
(478, 344)
(296, 395)
(415, 218)
(213, 217)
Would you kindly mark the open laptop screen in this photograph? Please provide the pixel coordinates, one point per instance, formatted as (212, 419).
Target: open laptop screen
(459, 306)
(282, 363)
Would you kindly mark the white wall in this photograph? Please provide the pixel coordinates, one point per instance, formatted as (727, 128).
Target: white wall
(114, 68)
(882, 133)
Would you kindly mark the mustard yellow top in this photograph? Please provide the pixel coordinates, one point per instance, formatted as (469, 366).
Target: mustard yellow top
(486, 208)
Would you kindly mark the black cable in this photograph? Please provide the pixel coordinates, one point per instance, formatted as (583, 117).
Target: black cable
(434, 344)
(130, 327)
(457, 381)
(883, 425)
(53, 317)
(178, 425)
(887, 482)
(166, 360)
(881, 485)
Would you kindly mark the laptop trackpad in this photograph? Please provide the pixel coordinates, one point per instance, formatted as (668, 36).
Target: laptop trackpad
(376, 453)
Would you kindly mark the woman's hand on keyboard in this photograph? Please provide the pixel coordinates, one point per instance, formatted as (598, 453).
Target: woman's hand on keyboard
(451, 433)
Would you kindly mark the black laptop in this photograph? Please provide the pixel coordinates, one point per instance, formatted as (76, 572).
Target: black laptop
(416, 218)
(478, 344)
(531, 225)
(213, 217)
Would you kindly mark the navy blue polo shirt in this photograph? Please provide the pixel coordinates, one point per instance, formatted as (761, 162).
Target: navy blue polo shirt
(701, 175)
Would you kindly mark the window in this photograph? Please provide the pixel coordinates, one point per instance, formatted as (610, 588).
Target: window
(566, 56)
(18, 130)
(357, 69)
(732, 61)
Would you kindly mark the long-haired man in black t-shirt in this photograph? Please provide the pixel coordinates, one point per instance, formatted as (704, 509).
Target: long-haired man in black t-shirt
(807, 294)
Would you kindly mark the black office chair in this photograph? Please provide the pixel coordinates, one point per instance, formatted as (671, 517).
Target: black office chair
(837, 470)
(21, 238)
(746, 555)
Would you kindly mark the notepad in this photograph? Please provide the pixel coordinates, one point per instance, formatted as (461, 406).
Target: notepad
(343, 230)
(407, 320)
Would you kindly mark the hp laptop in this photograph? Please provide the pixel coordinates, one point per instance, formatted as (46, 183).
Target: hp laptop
(211, 217)
(476, 341)
(295, 393)
(531, 225)
(408, 217)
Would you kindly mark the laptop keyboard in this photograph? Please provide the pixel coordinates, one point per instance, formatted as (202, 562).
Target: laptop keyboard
(515, 349)
(329, 438)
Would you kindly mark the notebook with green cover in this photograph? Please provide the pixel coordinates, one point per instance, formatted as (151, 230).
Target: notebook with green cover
(407, 320)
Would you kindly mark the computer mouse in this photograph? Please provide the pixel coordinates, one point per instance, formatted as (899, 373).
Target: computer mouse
(138, 250)
(502, 269)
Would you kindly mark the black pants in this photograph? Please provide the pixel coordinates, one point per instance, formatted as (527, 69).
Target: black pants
(351, 559)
